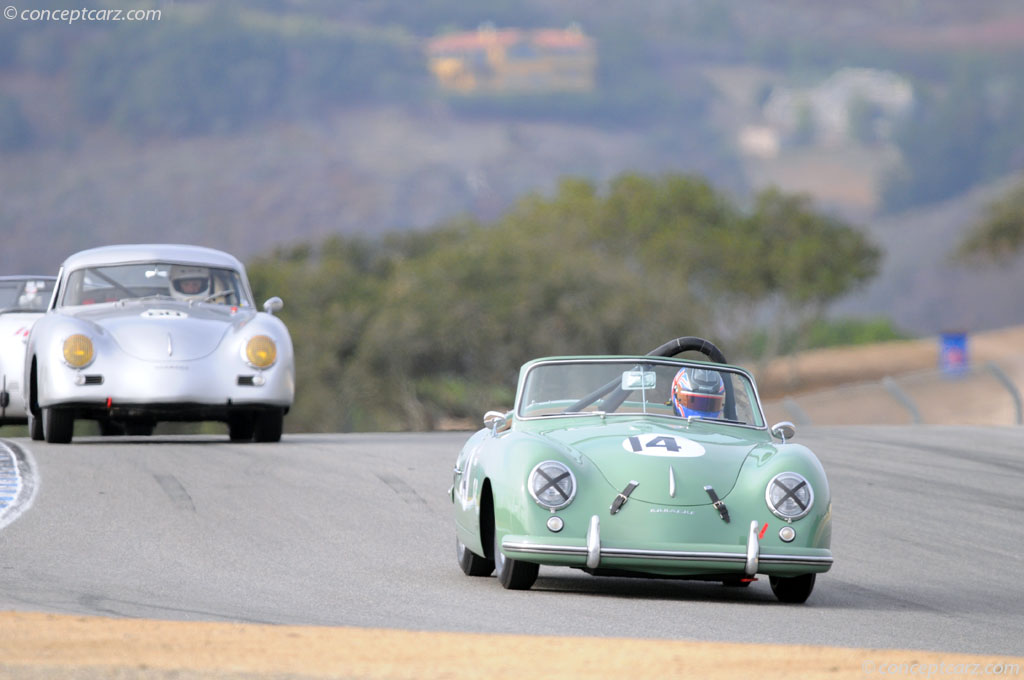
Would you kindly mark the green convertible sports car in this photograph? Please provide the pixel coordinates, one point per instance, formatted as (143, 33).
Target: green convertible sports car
(650, 466)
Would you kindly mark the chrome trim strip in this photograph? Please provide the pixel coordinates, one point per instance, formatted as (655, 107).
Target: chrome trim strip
(580, 551)
(810, 560)
(594, 543)
(753, 548)
(674, 555)
(671, 482)
(538, 549)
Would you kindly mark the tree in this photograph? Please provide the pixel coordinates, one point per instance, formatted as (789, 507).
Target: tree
(409, 331)
(999, 235)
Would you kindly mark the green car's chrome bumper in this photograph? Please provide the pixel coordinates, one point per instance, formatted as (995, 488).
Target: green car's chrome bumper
(668, 559)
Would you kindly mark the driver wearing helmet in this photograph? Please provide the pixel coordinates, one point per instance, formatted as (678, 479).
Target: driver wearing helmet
(698, 392)
(188, 282)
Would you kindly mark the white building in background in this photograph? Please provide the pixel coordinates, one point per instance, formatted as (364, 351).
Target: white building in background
(826, 107)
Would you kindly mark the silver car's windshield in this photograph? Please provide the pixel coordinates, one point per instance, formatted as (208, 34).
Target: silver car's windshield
(187, 282)
(614, 387)
(25, 295)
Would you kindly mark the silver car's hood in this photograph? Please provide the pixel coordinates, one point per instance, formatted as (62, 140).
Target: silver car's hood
(166, 330)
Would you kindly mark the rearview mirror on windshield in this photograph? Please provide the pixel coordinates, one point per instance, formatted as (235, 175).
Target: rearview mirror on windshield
(638, 380)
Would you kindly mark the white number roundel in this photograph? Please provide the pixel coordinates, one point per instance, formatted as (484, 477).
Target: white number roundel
(662, 445)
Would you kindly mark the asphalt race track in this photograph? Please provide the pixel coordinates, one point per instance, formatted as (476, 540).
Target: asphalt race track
(356, 530)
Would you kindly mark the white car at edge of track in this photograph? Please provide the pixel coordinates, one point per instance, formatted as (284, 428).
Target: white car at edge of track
(23, 301)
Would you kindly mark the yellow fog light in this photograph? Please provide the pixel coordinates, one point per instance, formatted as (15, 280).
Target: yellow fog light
(261, 351)
(78, 351)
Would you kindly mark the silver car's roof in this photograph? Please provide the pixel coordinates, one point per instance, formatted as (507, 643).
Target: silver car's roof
(29, 277)
(149, 252)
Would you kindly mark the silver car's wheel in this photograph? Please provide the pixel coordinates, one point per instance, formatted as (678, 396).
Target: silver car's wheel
(58, 425)
(241, 427)
(35, 427)
(471, 563)
(268, 426)
(513, 574)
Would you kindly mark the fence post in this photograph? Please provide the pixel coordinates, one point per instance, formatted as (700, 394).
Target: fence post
(1001, 376)
(798, 414)
(902, 397)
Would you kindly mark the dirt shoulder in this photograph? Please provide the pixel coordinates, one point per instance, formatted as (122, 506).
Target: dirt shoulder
(833, 366)
(47, 645)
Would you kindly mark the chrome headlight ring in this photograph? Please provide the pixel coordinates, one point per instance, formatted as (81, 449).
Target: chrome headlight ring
(789, 496)
(552, 485)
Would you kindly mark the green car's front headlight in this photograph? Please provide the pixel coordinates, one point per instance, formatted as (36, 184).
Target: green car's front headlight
(789, 495)
(552, 485)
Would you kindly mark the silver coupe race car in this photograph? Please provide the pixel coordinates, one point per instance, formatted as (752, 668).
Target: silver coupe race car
(136, 334)
(23, 300)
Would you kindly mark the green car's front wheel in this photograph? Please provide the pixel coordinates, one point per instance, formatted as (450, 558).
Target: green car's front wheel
(794, 589)
(471, 563)
(513, 574)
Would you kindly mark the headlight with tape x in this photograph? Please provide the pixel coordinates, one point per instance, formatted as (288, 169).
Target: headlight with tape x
(552, 485)
(789, 496)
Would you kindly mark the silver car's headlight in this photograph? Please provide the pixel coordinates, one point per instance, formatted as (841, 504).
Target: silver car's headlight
(260, 352)
(552, 484)
(789, 496)
(78, 351)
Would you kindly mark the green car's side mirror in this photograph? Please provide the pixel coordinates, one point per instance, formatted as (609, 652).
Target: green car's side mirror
(784, 430)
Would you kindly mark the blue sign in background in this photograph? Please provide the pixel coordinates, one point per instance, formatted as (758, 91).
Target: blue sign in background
(953, 353)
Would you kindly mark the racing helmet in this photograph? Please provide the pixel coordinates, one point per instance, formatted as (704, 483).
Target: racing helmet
(698, 392)
(189, 282)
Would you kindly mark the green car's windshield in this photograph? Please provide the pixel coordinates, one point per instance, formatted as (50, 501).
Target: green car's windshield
(188, 282)
(625, 386)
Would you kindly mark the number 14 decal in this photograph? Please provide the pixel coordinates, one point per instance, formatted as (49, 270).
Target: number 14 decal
(662, 445)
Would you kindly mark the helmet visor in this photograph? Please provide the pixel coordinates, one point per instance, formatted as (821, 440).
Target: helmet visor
(192, 285)
(705, 403)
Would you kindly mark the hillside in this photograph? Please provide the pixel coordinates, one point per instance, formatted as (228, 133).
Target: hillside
(363, 171)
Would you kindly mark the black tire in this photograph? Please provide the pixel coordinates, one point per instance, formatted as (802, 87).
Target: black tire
(268, 426)
(794, 589)
(241, 427)
(109, 428)
(35, 427)
(471, 563)
(513, 574)
(58, 425)
(137, 429)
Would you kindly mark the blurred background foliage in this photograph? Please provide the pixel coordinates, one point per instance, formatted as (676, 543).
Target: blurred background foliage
(427, 330)
(218, 67)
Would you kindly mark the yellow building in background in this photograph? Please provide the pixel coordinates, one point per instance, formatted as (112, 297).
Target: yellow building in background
(516, 61)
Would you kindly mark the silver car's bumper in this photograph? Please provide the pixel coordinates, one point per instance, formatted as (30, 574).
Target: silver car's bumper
(123, 380)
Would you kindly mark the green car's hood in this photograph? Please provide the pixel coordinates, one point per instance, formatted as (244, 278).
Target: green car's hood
(653, 455)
